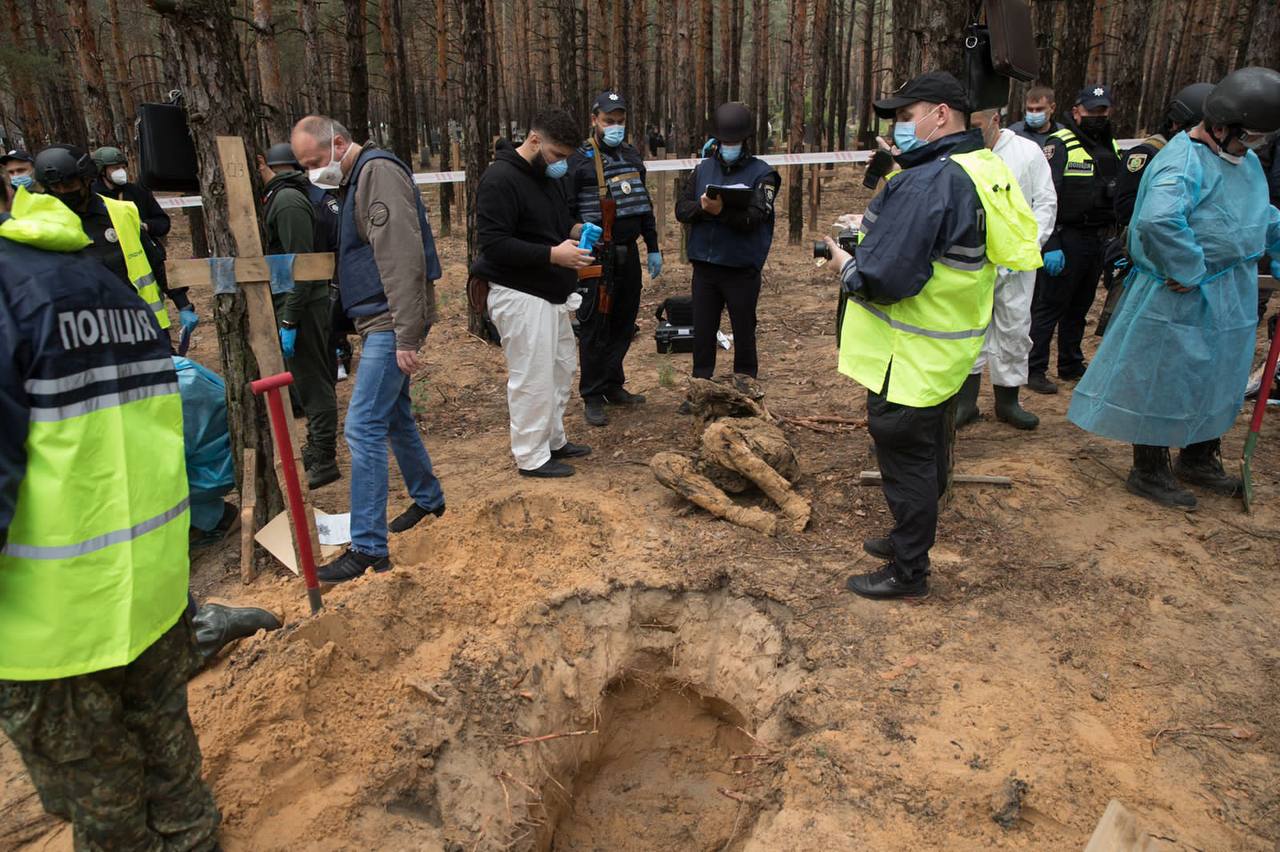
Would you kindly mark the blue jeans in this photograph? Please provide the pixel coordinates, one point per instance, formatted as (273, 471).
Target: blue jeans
(380, 413)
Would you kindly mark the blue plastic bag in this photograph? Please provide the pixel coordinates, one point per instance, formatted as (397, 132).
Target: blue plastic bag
(210, 470)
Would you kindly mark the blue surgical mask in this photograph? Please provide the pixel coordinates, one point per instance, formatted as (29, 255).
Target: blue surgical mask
(904, 136)
(557, 170)
(730, 153)
(1036, 120)
(21, 180)
(614, 134)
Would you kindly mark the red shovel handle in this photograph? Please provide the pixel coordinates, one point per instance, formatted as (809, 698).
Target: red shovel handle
(1268, 378)
(271, 386)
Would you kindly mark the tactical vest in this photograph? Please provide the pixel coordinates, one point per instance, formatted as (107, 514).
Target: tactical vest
(624, 182)
(127, 223)
(712, 241)
(359, 282)
(94, 569)
(932, 339)
(1084, 197)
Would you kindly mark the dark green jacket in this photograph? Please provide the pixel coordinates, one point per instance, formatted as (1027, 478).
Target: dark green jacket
(291, 225)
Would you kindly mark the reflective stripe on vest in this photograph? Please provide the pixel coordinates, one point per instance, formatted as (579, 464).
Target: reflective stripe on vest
(128, 227)
(1079, 162)
(925, 345)
(95, 567)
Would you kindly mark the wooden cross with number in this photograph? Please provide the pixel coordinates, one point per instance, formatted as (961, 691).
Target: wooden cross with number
(253, 275)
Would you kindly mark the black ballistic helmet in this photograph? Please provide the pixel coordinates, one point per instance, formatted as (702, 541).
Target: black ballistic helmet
(733, 122)
(1187, 107)
(281, 154)
(63, 162)
(1247, 98)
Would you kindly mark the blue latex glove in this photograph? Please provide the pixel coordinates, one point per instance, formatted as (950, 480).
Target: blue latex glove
(188, 318)
(590, 233)
(655, 264)
(1055, 262)
(1275, 269)
(288, 341)
(706, 147)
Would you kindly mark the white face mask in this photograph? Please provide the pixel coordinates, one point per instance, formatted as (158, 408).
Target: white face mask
(119, 177)
(328, 176)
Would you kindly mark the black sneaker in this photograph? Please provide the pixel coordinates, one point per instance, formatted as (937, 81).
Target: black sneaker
(410, 517)
(880, 548)
(886, 584)
(1040, 383)
(553, 469)
(351, 565)
(593, 411)
(571, 450)
(622, 396)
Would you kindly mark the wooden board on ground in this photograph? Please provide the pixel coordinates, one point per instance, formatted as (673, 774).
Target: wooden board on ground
(248, 501)
(1119, 831)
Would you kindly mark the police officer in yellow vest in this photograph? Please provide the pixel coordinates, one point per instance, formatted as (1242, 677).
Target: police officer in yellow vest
(1085, 164)
(916, 301)
(115, 228)
(95, 646)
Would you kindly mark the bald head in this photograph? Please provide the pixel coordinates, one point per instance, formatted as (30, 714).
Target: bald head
(318, 139)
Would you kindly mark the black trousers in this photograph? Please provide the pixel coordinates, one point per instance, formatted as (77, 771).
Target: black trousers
(716, 287)
(1063, 303)
(912, 447)
(601, 366)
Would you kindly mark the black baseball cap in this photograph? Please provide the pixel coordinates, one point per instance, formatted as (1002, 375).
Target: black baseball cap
(935, 87)
(608, 102)
(16, 154)
(1095, 96)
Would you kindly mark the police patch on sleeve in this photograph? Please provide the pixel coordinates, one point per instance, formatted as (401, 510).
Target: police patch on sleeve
(378, 214)
(768, 193)
(1137, 162)
(1049, 151)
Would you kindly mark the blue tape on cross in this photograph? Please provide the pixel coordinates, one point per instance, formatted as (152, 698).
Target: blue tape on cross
(281, 267)
(223, 272)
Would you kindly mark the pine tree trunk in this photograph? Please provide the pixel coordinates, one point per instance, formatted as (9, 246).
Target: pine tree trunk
(684, 107)
(315, 98)
(98, 116)
(1264, 36)
(397, 88)
(202, 34)
(760, 73)
(32, 129)
(1126, 85)
(797, 66)
(66, 100)
(477, 134)
(734, 62)
(637, 59)
(128, 106)
(821, 69)
(445, 114)
(568, 42)
(726, 53)
(277, 120)
(357, 71)
(1073, 59)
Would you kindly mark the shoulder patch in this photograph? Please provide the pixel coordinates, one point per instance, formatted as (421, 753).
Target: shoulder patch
(1136, 162)
(1049, 151)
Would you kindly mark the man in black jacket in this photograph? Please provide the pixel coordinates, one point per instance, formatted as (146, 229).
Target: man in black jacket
(303, 313)
(607, 160)
(528, 256)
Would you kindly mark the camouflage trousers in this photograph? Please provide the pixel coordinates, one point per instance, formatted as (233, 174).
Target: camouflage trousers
(114, 751)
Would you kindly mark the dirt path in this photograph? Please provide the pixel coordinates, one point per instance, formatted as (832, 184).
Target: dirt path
(722, 689)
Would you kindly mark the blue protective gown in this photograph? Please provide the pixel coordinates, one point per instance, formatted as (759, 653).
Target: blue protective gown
(1172, 368)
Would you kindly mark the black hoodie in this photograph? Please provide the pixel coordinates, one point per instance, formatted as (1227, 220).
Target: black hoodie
(520, 215)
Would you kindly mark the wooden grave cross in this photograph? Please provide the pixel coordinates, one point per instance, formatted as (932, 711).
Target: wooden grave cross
(253, 275)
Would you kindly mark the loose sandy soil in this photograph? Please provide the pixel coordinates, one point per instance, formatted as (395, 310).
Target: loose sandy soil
(722, 689)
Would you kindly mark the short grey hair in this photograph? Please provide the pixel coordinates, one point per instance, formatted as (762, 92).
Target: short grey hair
(322, 128)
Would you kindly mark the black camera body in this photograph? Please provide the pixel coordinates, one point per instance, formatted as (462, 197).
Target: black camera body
(846, 239)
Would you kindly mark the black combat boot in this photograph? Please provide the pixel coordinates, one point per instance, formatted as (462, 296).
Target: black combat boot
(967, 400)
(1201, 464)
(1009, 410)
(1152, 477)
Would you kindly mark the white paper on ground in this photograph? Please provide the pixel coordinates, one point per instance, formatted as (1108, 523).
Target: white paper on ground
(334, 529)
(277, 539)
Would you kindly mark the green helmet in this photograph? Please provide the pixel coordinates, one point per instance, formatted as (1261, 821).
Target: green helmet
(108, 156)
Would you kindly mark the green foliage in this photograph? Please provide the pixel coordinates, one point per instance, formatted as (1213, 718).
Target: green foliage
(666, 374)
